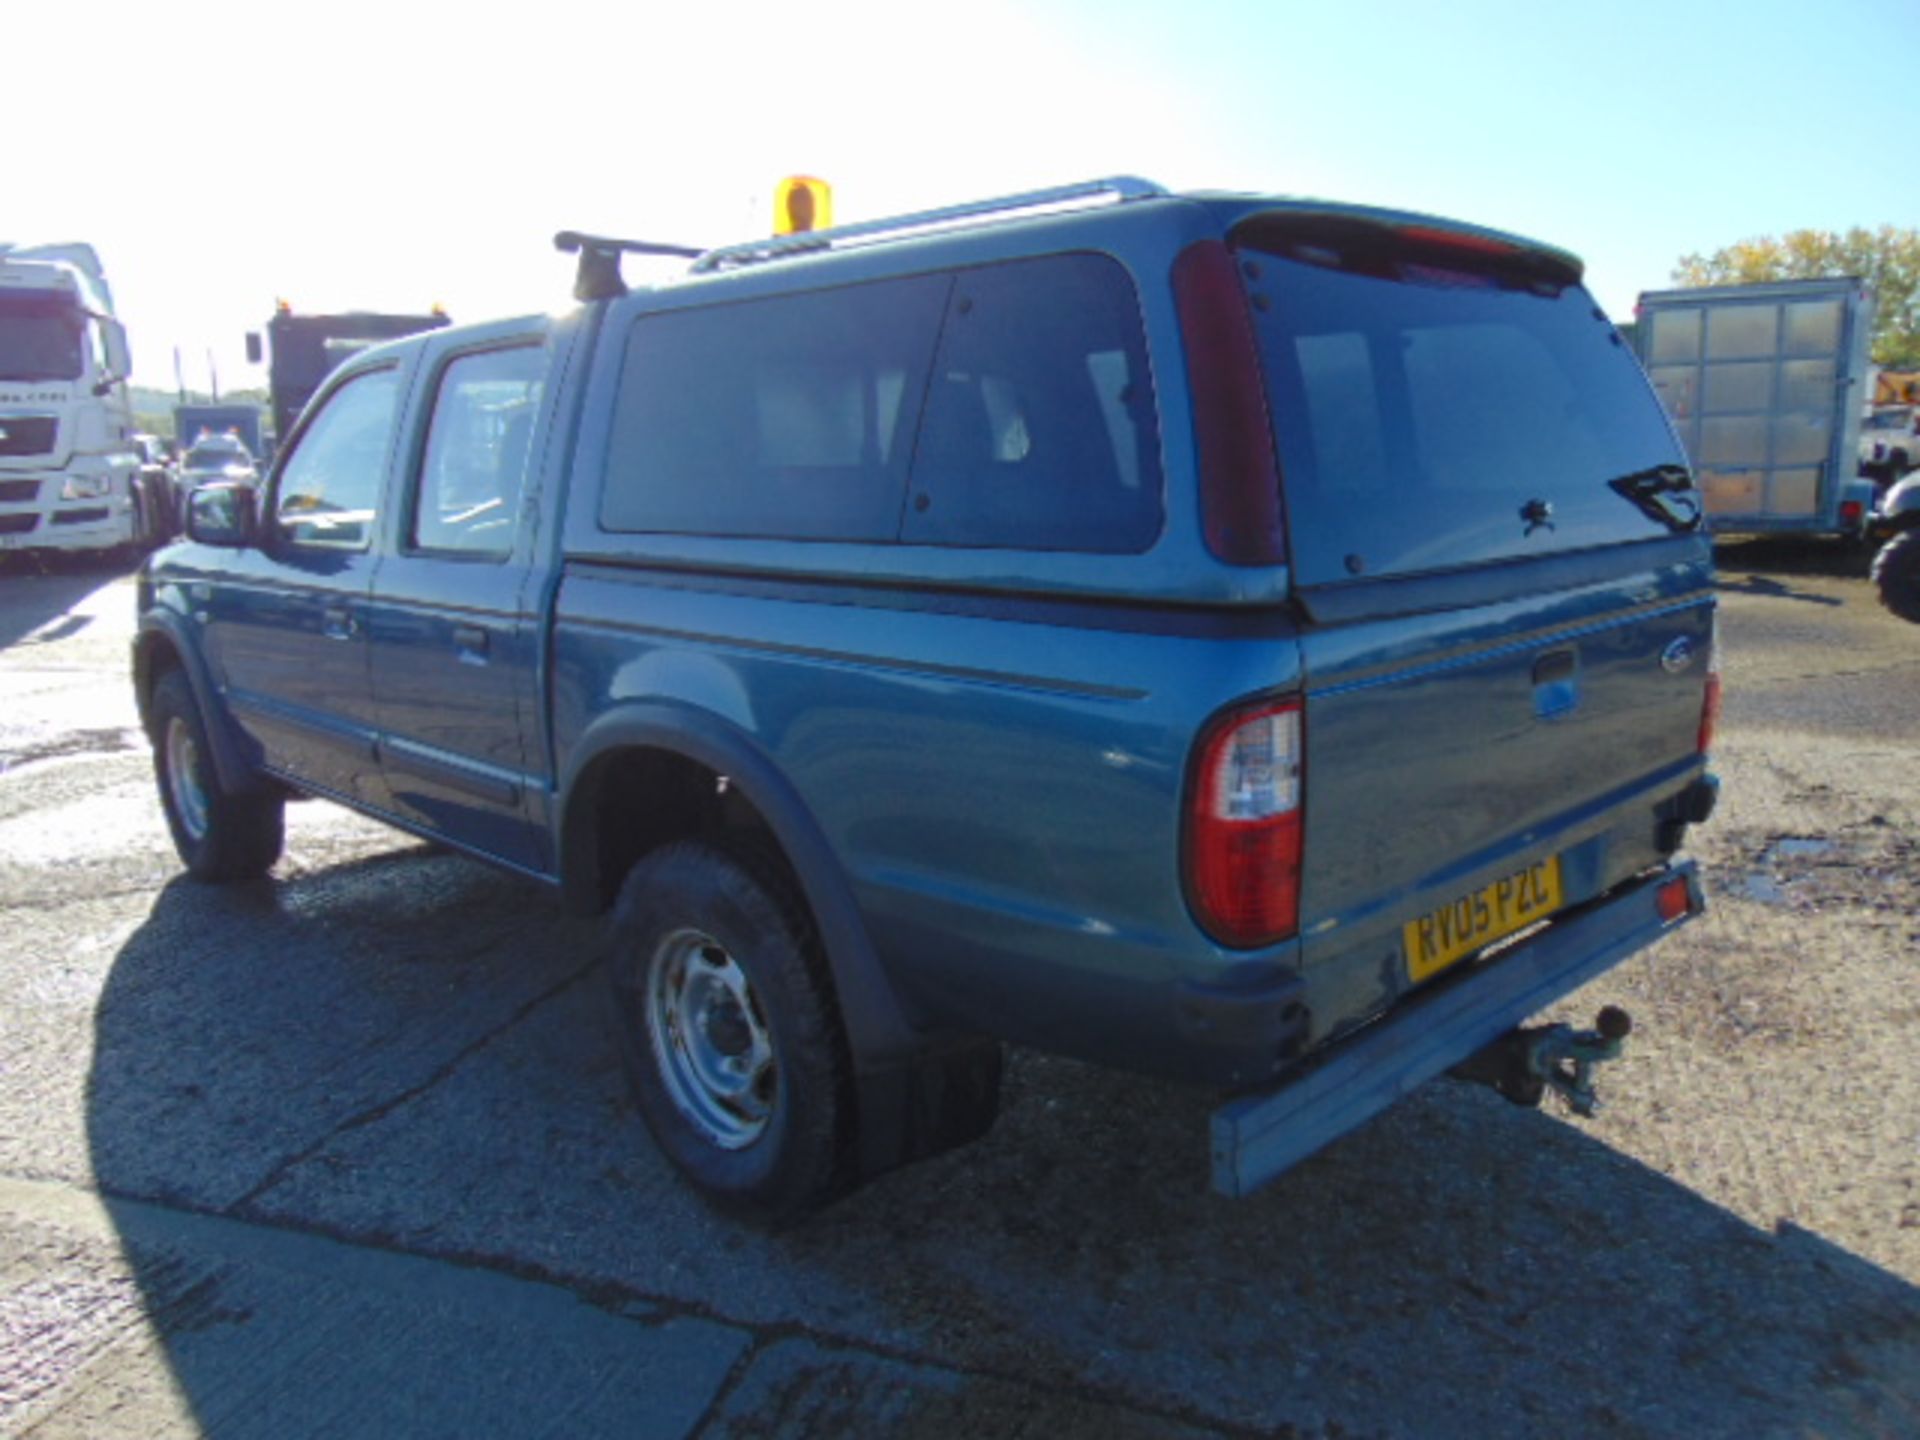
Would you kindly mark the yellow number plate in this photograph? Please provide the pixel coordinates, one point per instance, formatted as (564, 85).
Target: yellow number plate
(1439, 938)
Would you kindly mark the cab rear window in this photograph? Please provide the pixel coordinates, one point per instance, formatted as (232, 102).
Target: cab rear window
(1430, 417)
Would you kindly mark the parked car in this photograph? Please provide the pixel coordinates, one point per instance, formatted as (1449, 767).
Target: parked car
(1263, 643)
(157, 488)
(216, 458)
(1894, 528)
(1890, 442)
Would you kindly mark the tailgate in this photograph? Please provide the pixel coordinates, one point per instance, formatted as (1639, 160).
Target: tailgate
(1496, 544)
(1529, 741)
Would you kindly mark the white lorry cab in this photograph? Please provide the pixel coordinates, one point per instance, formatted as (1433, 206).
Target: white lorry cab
(69, 472)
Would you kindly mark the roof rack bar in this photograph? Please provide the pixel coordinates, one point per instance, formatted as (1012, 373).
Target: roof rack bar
(598, 277)
(569, 241)
(1120, 187)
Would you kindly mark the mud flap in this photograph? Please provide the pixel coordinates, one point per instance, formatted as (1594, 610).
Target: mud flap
(931, 1102)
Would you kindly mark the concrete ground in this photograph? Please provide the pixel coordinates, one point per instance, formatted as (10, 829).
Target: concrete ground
(347, 1153)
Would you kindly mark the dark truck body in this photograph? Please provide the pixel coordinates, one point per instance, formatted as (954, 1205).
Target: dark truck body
(302, 350)
(983, 739)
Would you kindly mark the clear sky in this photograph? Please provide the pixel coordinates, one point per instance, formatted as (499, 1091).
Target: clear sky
(353, 155)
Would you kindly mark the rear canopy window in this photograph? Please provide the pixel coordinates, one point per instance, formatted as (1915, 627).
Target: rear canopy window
(1004, 406)
(790, 416)
(1039, 431)
(1426, 415)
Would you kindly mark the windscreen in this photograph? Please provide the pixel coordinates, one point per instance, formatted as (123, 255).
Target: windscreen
(39, 339)
(1431, 416)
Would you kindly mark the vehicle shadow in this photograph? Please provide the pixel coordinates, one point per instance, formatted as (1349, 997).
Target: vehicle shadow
(1764, 585)
(1791, 555)
(407, 1054)
(30, 595)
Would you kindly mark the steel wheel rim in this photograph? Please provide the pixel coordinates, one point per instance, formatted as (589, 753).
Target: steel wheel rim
(183, 779)
(711, 1046)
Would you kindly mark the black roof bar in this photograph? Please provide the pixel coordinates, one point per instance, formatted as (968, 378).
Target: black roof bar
(598, 277)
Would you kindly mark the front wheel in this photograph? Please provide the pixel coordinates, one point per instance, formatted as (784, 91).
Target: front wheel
(1896, 573)
(726, 1021)
(221, 834)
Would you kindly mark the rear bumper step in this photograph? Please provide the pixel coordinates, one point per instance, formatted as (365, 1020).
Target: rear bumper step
(1259, 1136)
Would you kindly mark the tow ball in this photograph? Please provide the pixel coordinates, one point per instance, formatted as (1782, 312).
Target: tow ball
(1524, 1064)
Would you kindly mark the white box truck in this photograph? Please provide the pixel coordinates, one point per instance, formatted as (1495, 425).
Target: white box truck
(1765, 385)
(69, 472)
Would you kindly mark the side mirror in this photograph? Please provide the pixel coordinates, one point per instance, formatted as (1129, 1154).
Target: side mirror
(119, 358)
(226, 515)
(253, 347)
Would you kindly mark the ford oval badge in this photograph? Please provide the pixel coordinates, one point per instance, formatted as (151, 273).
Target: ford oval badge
(1677, 656)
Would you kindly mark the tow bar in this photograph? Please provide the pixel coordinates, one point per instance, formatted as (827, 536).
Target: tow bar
(1524, 1064)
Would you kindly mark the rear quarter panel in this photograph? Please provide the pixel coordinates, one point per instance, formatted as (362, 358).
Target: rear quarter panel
(1000, 781)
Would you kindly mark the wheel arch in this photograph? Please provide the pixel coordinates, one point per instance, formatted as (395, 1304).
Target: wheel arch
(1904, 520)
(1900, 506)
(161, 645)
(664, 740)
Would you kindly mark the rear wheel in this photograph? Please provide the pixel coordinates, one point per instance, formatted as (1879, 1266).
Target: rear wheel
(221, 835)
(1896, 572)
(727, 1024)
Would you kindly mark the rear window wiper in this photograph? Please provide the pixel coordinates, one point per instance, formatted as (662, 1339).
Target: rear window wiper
(1664, 493)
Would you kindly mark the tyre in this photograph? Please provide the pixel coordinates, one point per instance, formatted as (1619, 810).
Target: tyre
(221, 835)
(727, 1024)
(1896, 573)
(128, 551)
(142, 539)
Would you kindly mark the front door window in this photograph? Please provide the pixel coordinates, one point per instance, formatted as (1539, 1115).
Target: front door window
(329, 489)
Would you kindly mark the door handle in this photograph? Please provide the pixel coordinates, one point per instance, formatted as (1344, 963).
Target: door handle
(470, 637)
(1554, 666)
(337, 623)
(1556, 683)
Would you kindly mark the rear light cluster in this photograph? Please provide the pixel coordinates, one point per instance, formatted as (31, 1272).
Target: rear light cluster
(1710, 702)
(1673, 900)
(1243, 842)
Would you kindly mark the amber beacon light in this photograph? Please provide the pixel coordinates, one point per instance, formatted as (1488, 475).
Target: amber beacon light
(801, 202)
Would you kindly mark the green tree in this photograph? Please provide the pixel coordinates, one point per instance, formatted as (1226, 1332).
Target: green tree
(1887, 258)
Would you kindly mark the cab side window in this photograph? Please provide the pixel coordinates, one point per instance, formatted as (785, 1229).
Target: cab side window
(475, 463)
(329, 489)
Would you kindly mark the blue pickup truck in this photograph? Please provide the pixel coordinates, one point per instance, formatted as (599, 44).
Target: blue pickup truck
(1262, 643)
